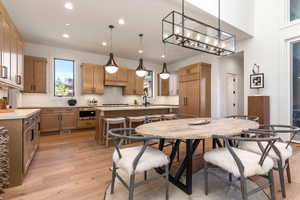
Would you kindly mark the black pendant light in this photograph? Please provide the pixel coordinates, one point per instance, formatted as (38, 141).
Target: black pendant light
(164, 74)
(111, 66)
(140, 70)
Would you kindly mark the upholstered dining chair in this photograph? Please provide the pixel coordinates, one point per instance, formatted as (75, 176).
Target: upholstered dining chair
(243, 164)
(280, 153)
(138, 159)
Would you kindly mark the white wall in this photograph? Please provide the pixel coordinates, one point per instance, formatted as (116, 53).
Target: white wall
(220, 66)
(264, 49)
(111, 94)
(238, 13)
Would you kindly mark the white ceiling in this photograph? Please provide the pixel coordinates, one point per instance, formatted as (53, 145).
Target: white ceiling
(43, 22)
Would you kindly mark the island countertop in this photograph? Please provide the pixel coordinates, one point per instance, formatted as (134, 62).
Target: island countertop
(18, 114)
(115, 108)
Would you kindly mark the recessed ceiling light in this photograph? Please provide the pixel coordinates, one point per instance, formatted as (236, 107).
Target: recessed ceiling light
(121, 21)
(104, 43)
(163, 56)
(68, 24)
(140, 51)
(69, 5)
(65, 35)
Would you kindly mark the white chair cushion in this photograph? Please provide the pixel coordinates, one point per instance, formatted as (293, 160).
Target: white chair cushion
(281, 146)
(152, 158)
(154, 116)
(135, 118)
(116, 119)
(222, 158)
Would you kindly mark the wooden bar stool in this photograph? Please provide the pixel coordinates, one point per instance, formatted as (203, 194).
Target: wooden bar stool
(112, 121)
(134, 119)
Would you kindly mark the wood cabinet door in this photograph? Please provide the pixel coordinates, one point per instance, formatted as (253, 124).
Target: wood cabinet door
(13, 57)
(87, 75)
(68, 121)
(50, 122)
(1, 40)
(28, 74)
(182, 98)
(98, 79)
(139, 85)
(130, 88)
(20, 64)
(193, 97)
(39, 75)
(5, 71)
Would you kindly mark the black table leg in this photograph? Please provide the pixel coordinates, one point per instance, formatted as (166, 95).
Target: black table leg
(186, 165)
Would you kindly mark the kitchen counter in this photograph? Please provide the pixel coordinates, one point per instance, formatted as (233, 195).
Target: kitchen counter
(115, 108)
(101, 107)
(18, 114)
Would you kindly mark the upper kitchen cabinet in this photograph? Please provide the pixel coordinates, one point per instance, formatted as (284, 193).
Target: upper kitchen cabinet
(92, 78)
(168, 87)
(117, 79)
(35, 74)
(135, 85)
(11, 65)
(195, 90)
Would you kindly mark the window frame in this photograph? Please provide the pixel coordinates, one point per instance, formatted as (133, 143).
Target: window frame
(54, 81)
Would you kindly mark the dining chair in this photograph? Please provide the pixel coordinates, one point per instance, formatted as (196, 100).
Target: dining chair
(243, 164)
(245, 117)
(138, 159)
(281, 152)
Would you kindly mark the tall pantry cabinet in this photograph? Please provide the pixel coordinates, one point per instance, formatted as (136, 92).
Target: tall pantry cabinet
(195, 90)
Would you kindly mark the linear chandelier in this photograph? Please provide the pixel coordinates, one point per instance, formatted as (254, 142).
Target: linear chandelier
(187, 32)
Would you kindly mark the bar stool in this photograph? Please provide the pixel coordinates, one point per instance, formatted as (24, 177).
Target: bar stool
(134, 119)
(153, 118)
(169, 116)
(112, 121)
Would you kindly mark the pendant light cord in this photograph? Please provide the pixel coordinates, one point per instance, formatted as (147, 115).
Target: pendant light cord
(141, 45)
(219, 21)
(111, 40)
(165, 52)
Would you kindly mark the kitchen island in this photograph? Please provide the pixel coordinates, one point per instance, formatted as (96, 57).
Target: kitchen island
(125, 111)
(23, 126)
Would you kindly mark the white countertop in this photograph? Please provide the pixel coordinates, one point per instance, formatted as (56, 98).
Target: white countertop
(18, 114)
(113, 108)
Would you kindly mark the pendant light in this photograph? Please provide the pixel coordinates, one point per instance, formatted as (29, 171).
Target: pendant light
(140, 70)
(164, 74)
(111, 66)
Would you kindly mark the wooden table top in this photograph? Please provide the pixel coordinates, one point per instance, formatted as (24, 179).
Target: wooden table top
(180, 129)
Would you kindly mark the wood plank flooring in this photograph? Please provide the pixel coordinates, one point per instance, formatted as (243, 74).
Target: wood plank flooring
(74, 167)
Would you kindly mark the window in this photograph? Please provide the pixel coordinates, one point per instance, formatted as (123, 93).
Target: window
(63, 78)
(148, 83)
(294, 10)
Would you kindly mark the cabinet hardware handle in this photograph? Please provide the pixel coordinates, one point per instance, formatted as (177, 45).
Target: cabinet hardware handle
(32, 135)
(4, 72)
(187, 102)
(19, 79)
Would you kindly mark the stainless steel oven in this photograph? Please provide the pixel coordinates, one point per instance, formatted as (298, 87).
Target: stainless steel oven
(87, 114)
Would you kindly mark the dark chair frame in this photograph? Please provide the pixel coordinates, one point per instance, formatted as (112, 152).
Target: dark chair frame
(132, 185)
(281, 166)
(270, 140)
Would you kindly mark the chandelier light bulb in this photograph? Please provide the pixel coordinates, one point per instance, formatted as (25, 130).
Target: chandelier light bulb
(69, 5)
(223, 45)
(166, 35)
(216, 42)
(207, 40)
(177, 30)
(188, 34)
(198, 37)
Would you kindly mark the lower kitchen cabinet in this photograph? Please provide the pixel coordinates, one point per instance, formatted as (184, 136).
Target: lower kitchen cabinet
(68, 121)
(23, 144)
(50, 122)
(58, 119)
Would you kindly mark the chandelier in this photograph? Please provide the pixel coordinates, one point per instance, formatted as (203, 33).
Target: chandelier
(187, 32)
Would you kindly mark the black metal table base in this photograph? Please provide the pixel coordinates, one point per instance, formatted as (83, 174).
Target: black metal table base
(186, 165)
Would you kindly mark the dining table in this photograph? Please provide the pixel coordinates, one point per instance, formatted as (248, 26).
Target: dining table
(191, 132)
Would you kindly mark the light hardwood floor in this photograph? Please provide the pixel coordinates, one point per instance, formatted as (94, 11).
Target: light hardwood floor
(74, 167)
